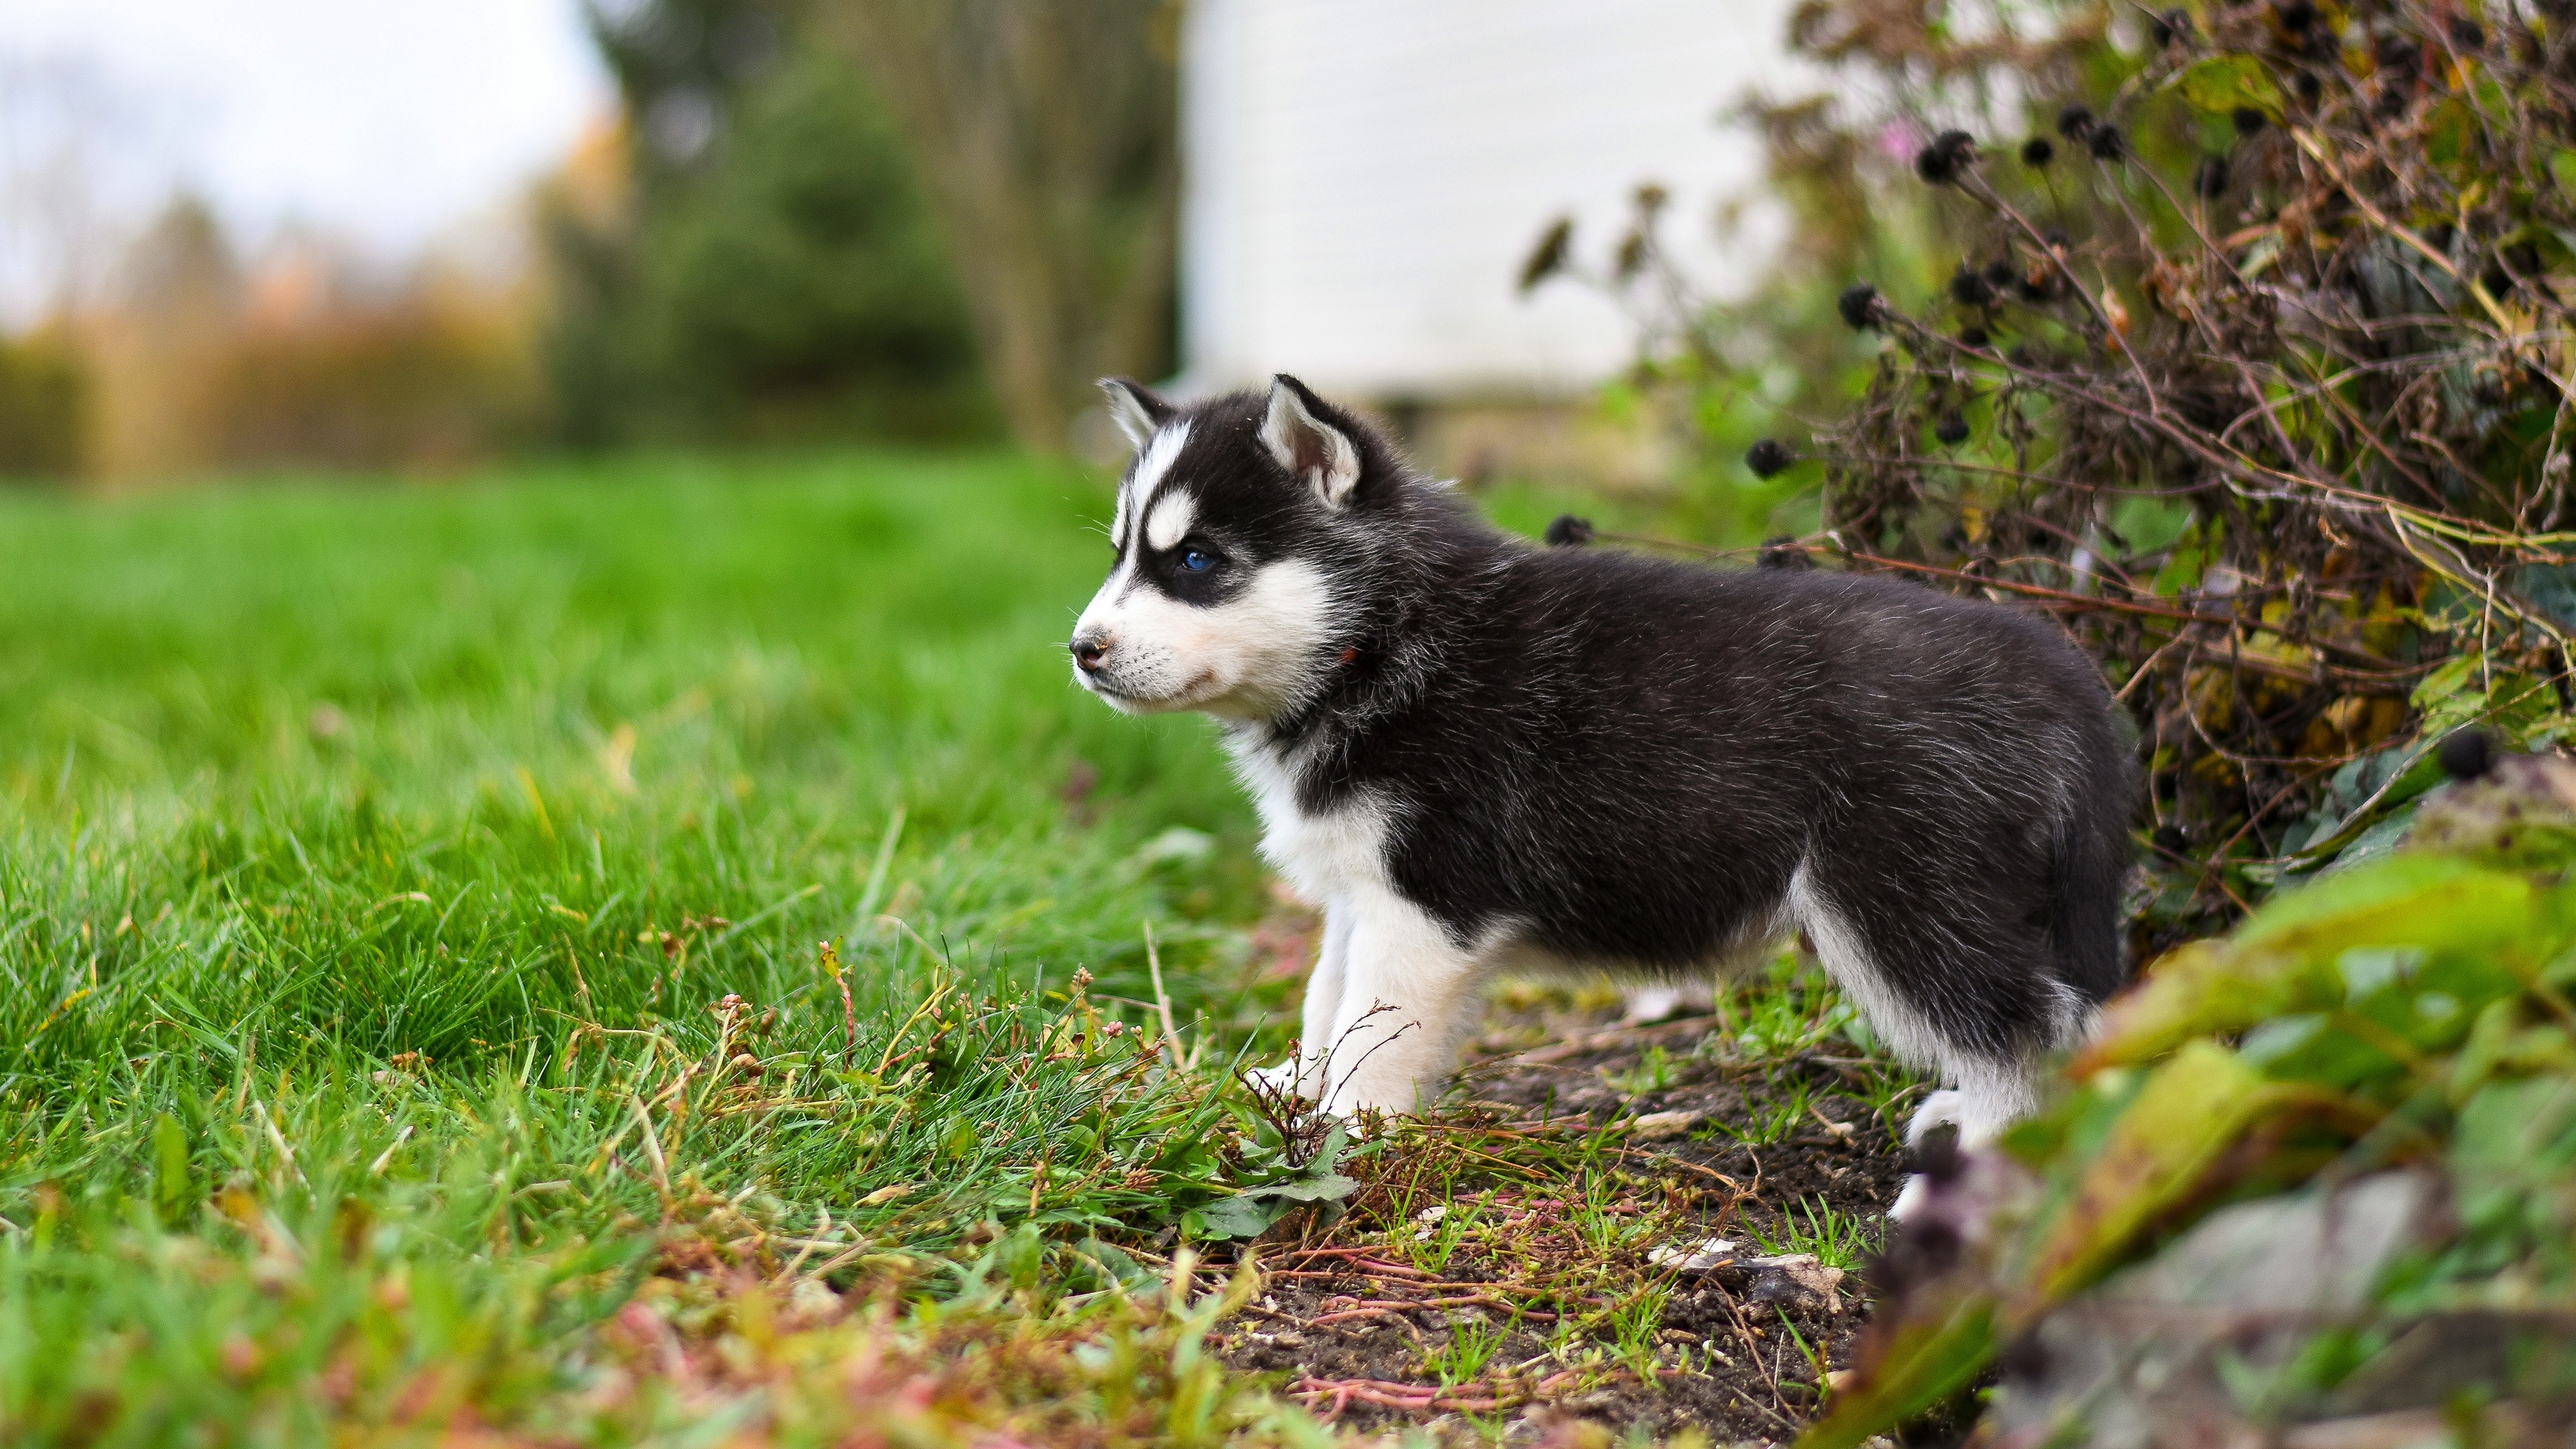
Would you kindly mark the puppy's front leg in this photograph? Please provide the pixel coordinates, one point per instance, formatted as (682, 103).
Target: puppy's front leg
(1408, 997)
(1324, 998)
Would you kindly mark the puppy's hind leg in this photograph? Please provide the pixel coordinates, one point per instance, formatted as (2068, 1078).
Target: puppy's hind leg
(1954, 996)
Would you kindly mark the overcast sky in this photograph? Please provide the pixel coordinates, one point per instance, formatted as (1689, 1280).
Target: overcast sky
(387, 119)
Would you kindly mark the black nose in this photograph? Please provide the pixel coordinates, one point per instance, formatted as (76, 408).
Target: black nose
(1088, 651)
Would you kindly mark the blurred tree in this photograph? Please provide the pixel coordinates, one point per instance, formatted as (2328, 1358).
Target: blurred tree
(767, 269)
(44, 407)
(158, 349)
(1048, 131)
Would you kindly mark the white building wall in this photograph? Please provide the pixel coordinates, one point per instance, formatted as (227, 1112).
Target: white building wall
(1362, 179)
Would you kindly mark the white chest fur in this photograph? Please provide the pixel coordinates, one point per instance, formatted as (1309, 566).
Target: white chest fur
(1330, 855)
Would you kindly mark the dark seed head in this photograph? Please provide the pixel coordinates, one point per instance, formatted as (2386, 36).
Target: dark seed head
(1548, 257)
(1972, 337)
(1769, 458)
(2170, 838)
(2106, 143)
(1568, 531)
(2248, 120)
(2038, 151)
(2309, 87)
(1950, 153)
(1915, 1252)
(1969, 287)
(2210, 181)
(2295, 15)
(2075, 122)
(1932, 1246)
(2467, 754)
(2171, 26)
(2000, 272)
(2467, 34)
(1862, 308)
(1952, 430)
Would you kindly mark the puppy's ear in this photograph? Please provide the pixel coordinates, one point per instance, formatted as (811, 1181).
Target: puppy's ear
(1314, 451)
(1138, 413)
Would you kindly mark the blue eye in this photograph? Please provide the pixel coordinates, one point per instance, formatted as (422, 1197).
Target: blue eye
(1197, 561)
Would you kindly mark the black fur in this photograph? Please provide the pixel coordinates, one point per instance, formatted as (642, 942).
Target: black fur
(1631, 756)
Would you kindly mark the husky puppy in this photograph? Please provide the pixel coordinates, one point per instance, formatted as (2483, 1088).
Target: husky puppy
(1479, 756)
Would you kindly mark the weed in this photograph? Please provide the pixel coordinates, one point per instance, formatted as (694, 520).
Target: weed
(1635, 1324)
(1838, 1239)
(1888, 1088)
(1652, 1073)
(1472, 1344)
(1817, 1366)
(1773, 1118)
(1433, 1244)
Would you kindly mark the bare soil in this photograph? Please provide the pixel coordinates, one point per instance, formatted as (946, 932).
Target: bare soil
(1541, 1140)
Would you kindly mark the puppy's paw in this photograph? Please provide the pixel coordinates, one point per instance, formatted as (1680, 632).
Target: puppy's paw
(1650, 1004)
(1944, 1108)
(1910, 1198)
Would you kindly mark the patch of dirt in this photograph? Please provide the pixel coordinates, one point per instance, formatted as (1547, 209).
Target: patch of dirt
(1500, 1271)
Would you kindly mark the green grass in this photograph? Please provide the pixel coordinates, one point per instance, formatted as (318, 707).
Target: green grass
(375, 868)
(1838, 1240)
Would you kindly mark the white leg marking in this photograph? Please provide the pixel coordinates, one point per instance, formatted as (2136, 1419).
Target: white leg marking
(1324, 998)
(1398, 1060)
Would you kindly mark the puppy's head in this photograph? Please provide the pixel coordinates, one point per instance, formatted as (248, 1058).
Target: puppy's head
(1236, 532)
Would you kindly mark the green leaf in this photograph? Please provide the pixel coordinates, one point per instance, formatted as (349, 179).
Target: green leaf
(2562, 169)
(1936, 1349)
(1235, 1217)
(2192, 550)
(1330, 1187)
(2222, 83)
(2191, 1112)
(2283, 959)
(2407, 900)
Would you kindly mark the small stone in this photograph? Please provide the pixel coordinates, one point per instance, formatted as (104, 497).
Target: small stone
(1658, 1126)
(1699, 1257)
(1796, 1280)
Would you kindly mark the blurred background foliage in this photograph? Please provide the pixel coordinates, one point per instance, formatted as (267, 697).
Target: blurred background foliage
(757, 262)
(810, 221)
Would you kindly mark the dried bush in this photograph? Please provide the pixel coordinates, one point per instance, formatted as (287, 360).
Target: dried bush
(2237, 336)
